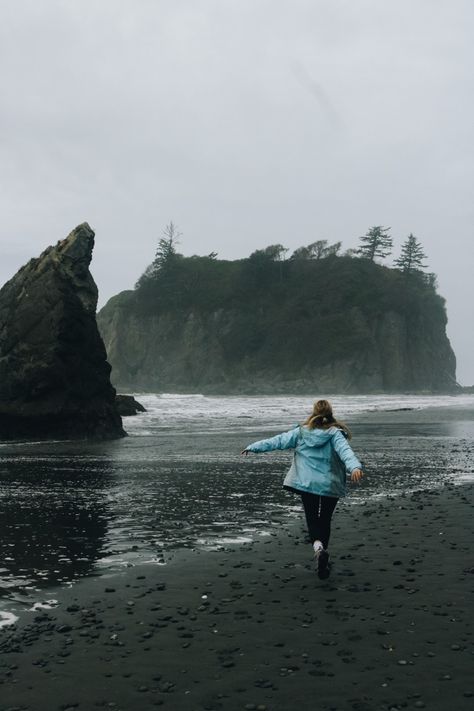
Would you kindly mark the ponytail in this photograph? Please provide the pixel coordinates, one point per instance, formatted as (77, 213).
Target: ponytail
(322, 418)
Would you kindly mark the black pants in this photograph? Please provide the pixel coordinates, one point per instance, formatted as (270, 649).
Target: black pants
(318, 511)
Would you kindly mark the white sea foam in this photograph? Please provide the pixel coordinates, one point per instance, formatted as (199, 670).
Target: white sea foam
(248, 412)
(46, 605)
(7, 618)
(224, 541)
(463, 478)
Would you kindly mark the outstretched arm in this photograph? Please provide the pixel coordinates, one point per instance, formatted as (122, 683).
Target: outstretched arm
(285, 440)
(347, 456)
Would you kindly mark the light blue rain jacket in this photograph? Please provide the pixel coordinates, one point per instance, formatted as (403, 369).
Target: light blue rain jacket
(320, 462)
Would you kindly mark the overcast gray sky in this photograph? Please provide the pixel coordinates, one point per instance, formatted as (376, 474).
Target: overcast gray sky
(246, 122)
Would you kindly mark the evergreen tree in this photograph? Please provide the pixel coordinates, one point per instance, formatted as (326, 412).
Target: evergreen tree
(333, 250)
(431, 280)
(267, 265)
(272, 253)
(147, 275)
(411, 256)
(317, 250)
(301, 253)
(376, 243)
(166, 251)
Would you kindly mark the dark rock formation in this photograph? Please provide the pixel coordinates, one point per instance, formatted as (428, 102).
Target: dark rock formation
(335, 325)
(128, 406)
(54, 374)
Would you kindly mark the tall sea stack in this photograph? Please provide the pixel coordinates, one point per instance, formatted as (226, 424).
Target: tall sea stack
(54, 374)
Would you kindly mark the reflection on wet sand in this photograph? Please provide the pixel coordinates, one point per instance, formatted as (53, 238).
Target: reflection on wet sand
(72, 509)
(53, 517)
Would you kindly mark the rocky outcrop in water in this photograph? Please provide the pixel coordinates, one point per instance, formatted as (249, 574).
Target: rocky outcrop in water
(54, 374)
(337, 325)
(128, 406)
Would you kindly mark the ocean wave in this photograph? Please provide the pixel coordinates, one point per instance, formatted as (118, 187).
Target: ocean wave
(247, 412)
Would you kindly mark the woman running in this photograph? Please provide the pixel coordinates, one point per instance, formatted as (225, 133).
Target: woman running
(318, 472)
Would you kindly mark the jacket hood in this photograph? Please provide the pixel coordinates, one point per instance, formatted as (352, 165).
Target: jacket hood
(316, 437)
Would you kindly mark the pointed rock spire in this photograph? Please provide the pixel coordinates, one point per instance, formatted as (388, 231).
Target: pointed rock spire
(54, 374)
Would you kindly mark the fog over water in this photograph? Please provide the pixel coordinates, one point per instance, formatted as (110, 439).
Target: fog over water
(246, 122)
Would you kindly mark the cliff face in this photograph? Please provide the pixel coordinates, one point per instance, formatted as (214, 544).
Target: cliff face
(328, 328)
(54, 374)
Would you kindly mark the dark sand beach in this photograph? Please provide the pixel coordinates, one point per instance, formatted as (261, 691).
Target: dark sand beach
(252, 627)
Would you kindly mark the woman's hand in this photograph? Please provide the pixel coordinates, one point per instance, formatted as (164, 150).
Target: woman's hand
(357, 475)
(245, 452)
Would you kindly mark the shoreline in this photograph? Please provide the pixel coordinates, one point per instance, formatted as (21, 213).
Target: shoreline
(303, 392)
(252, 626)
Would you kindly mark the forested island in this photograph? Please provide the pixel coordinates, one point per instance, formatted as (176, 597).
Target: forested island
(318, 320)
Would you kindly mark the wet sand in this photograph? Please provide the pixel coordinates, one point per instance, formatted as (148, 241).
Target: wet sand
(252, 627)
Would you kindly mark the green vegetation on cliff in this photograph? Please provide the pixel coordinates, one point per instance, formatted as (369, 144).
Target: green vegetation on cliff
(268, 324)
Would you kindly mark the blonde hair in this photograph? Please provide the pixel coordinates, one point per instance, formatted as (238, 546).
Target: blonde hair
(322, 418)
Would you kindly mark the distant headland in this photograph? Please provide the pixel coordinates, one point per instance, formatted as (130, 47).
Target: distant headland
(317, 321)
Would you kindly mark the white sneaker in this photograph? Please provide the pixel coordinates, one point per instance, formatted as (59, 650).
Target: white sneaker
(317, 548)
